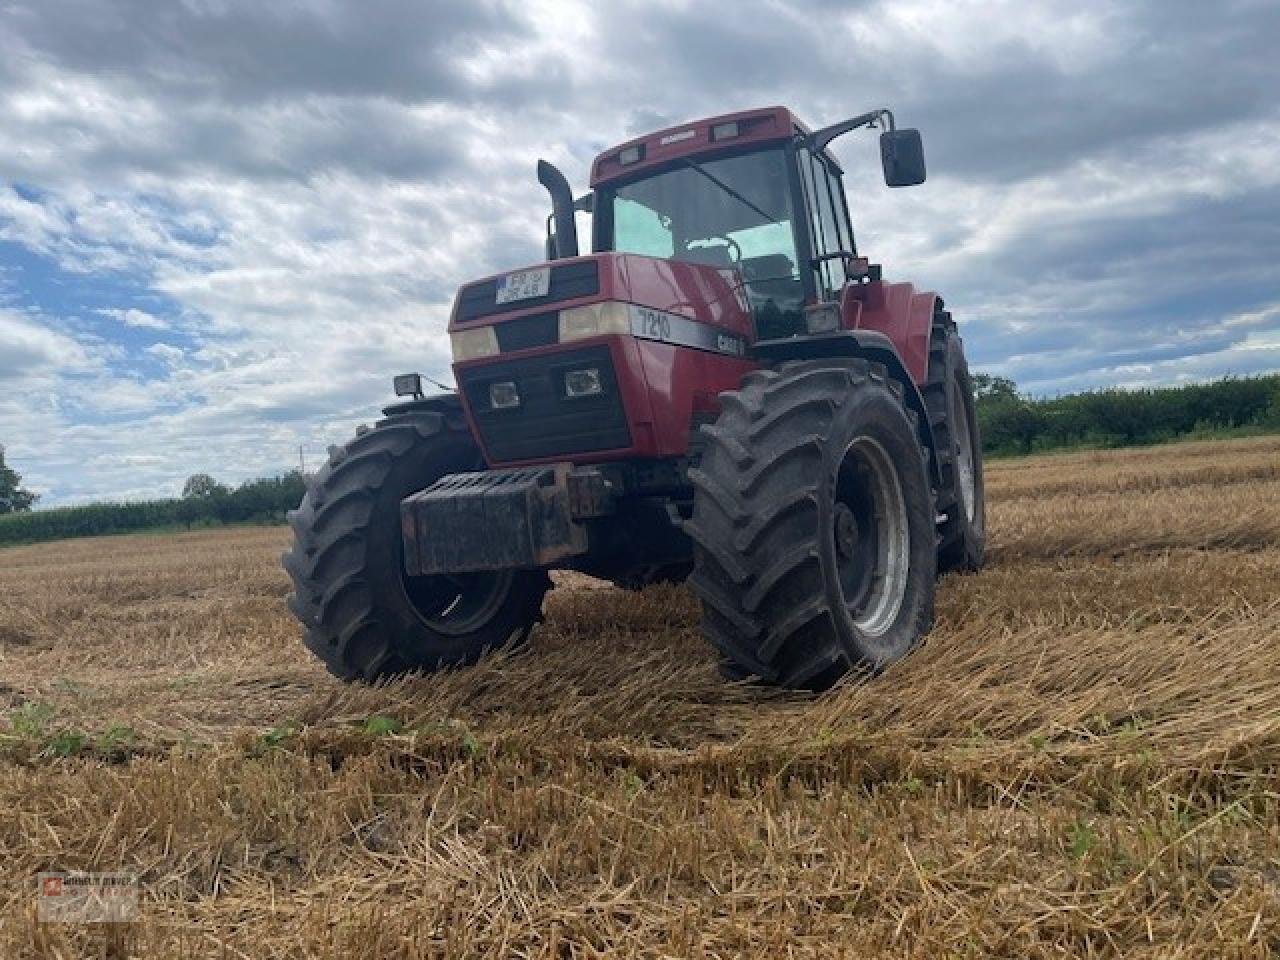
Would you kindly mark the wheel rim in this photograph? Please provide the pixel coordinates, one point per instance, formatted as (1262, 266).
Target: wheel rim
(964, 449)
(871, 538)
(457, 603)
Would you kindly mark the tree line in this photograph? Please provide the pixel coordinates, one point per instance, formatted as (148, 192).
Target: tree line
(1013, 423)
(204, 503)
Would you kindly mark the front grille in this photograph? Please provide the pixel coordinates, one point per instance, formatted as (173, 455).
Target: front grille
(568, 281)
(538, 330)
(547, 423)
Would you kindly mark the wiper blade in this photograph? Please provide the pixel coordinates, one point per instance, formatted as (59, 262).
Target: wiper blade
(729, 190)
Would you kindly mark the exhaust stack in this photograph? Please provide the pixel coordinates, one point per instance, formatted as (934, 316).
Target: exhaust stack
(566, 244)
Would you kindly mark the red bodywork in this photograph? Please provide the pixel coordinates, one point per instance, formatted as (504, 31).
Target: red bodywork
(662, 385)
(897, 311)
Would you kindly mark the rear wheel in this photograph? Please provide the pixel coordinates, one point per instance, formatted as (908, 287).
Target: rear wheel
(813, 524)
(364, 617)
(948, 396)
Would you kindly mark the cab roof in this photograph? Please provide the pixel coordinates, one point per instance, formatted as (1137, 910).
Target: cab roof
(760, 126)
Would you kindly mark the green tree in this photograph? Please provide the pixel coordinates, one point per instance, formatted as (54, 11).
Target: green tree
(1008, 421)
(1270, 418)
(201, 486)
(13, 499)
(986, 386)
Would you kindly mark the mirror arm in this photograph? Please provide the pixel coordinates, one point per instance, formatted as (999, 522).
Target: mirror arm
(819, 139)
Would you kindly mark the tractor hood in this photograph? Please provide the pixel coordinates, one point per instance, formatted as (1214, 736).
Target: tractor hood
(526, 303)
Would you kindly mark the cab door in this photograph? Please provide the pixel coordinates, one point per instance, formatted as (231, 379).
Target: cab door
(830, 236)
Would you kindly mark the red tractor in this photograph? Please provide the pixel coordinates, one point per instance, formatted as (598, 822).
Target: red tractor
(724, 390)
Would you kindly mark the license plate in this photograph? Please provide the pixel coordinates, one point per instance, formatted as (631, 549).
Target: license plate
(524, 285)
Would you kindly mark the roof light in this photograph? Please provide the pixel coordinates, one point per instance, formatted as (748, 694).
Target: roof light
(630, 155)
(723, 131)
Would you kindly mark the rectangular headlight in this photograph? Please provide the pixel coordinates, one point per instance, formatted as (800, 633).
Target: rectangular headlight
(473, 344)
(503, 395)
(594, 320)
(583, 383)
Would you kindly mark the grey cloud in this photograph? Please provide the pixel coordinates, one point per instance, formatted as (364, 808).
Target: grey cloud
(1017, 115)
(257, 90)
(646, 119)
(296, 139)
(249, 52)
(1114, 291)
(1007, 112)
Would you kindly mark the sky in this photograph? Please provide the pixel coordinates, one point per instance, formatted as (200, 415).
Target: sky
(225, 225)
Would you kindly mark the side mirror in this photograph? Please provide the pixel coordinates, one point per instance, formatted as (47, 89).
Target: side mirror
(902, 154)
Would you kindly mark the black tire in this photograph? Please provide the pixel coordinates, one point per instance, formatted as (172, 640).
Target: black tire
(776, 478)
(948, 396)
(363, 617)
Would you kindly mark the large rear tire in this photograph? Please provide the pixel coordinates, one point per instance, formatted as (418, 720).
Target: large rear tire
(813, 524)
(363, 616)
(948, 396)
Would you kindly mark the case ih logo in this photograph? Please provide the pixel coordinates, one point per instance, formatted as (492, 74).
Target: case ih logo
(51, 887)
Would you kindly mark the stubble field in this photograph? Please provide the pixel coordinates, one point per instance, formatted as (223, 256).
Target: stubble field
(1083, 760)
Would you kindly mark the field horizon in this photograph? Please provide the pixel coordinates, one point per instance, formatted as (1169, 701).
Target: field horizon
(1083, 759)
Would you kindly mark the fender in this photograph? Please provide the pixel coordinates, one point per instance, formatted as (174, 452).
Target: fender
(898, 311)
(871, 345)
(447, 403)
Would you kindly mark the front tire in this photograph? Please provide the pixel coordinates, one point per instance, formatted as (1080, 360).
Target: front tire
(813, 525)
(363, 616)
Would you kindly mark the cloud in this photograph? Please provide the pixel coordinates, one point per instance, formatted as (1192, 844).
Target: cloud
(166, 353)
(133, 317)
(224, 225)
(30, 351)
(247, 52)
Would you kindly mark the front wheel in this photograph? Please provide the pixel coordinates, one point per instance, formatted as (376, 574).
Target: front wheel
(813, 524)
(363, 615)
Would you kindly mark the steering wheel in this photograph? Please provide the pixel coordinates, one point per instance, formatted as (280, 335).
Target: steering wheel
(735, 251)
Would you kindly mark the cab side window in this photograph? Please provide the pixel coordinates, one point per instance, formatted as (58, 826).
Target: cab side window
(829, 227)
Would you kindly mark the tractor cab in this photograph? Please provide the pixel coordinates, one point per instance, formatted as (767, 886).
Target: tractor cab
(732, 213)
(755, 192)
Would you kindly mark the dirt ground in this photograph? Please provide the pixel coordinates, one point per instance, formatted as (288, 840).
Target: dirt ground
(1082, 760)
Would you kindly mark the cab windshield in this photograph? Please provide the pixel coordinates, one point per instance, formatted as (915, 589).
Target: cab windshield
(732, 213)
